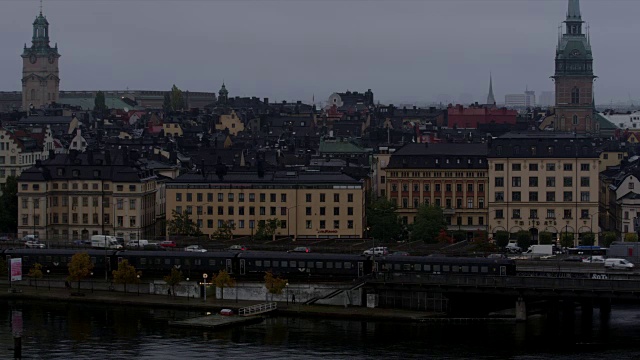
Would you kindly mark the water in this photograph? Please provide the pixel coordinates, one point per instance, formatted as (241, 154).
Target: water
(62, 331)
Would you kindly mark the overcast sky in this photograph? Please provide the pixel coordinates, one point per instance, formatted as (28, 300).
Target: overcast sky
(405, 51)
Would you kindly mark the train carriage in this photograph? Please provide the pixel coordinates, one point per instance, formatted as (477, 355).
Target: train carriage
(192, 264)
(56, 260)
(447, 265)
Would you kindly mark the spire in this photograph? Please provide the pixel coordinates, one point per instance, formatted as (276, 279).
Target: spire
(491, 99)
(573, 14)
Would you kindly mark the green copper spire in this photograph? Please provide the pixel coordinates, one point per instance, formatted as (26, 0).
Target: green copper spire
(574, 11)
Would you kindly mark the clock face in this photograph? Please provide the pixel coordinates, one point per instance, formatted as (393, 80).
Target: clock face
(33, 58)
(52, 58)
(575, 53)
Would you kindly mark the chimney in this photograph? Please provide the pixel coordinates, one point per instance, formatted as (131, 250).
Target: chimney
(266, 101)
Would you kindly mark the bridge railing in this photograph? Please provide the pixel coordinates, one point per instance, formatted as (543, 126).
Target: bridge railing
(257, 309)
(512, 282)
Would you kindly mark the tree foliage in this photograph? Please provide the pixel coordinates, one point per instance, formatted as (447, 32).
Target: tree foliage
(608, 238)
(444, 238)
(9, 206)
(166, 103)
(100, 104)
(177, 101)
(588, 239)
(524, 239)
(126, 274)
(181, 224)
(502, 239)
(459, 236)
(274, 284)
(222, 279)
(566, 240)
(266, 229)
(174, 278)
(80, 267)
(631, 237)
(545, 238)
(382, 220)
(225, 232)
(429, 221)
(35, 273)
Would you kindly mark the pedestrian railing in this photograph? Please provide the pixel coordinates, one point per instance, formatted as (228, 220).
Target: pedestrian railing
(257, 309)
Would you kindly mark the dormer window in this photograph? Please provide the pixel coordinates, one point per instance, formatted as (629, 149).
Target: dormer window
(76, 173)
(60, 171)
(96, 173)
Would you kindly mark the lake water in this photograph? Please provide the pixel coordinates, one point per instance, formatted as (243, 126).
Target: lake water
(72, 331)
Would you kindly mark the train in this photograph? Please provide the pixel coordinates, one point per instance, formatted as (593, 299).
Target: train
(254, 264)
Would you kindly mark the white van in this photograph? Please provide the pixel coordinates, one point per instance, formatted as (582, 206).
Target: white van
(104, 242)
(614, 263)
(30, 238)
(137, 243)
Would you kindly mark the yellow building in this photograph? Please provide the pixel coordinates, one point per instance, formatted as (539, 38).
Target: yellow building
(307, 205)
(74, 196)
(451, 176)
(543, 182)
(172, 129)
(232, 122)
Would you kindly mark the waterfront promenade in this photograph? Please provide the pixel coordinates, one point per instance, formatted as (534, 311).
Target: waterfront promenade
(24, 291)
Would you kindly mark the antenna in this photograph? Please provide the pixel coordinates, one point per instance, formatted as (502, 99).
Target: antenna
(40, 7)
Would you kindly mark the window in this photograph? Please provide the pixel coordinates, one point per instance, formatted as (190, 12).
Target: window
(308, 224)
(241, 210)
(308, 211)
(349, 224)
(447, 187)
(241, 197)
(567, 214)
(480, 188)
(220, 197)
(575, 99)
(533, 213)
(516, 213)
(458, 187)
(272, 211)
(199, 197)
(283, 210)
(323, 224)
(567, 181)
(252, 210)
(263, 197)
(416, 187)
(499, 182)
(323, 211)
(567, 196)
(119, 204)
(584, 182)
(499, 167)
(283, 197)
(551, 214)
(220, 210)
(230, 210)
(438, 188)
(533, 167)
(230, 197)
(85, 201)
(118, 188)
(252, 197)
(584, 196)
(178, 196)
(132, 204)
(499, 214)
(132, 221)
(516, 196)
(469, 203)
(405, 187)
(272, 198)
(584, 167)
(481, 220)
(575, 119)
(336, 224)
(551, 196)
(307, 197)
(336, 211)
(515, 167)
(481, 203)
(533, 181)
(568, 167)
(516, 181)
(470, 188)
(394, 187)
(499, 196)
(336, 197)
(551, 181)
(458, 203)
(533, 196)
(350, 211)
(322, 197)
(551, 167)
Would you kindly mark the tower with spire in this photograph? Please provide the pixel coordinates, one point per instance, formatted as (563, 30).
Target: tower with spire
(574, 76)
(491, 100)
(40, 80)
(223, 95)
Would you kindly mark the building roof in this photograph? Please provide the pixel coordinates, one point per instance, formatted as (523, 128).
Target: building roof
(276, 177)
(442, 155)
(543, 144)
(341, 147)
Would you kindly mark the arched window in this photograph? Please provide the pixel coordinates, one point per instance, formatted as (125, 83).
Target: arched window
(575, 119)
(575, 95)
(33, 94)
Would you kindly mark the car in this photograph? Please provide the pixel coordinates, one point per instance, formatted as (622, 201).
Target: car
(168, 244)
(34, 244)
(5, 238)
(612, 263)
(302, 249)
(195, 248)
(80, 242)
(399, 253)
(380, 250)
(513, 247)
(573, 259)
(30, 238)
(497, 256)
(594, 259)
(238, 247)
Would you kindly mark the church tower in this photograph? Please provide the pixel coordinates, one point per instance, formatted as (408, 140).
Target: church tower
(40, 81)
(491, 100)
(574, 76)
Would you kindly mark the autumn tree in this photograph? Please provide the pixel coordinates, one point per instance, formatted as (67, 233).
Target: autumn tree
(274, 285)
(173, 279)
(382, 220)
(631, 237)
(222, 280)
(224, 232)
(181, 224)
(177, 101)
(35, 273)
(80, 267)
(429, 221)
(126, 274)
(443, 237)
(267, 229)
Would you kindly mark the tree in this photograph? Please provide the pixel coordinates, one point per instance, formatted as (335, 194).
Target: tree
(382, 219)
(126, 274)
(166, 104)
(545, 238)
(566, 240)
(588, 239)
(177, 101)
(429, 221)
(524, 239)
(35, 273)
(459, 236)
(502, 239)
(173, 279)
(608, 238)
(9, 206)
(181, 224)
(631, 237)
(222, 280)
(274, 285)
(266, 229)
(80, 267)
(444, 238)
(225, 232)
(99, 104)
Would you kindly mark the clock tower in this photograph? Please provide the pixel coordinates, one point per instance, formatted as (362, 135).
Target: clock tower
(40, 81)
(574, 76)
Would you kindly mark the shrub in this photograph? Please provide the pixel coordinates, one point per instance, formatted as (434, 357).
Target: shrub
(524, 239)
(545, 238)
(502, 239)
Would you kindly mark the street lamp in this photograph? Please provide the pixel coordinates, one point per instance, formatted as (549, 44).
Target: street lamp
(138, 276)
(188, 291)
(205, 276)
(286, 286)
(48, 279)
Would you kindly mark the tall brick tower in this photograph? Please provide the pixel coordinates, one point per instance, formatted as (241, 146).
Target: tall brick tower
(40, 81)
(574, 76)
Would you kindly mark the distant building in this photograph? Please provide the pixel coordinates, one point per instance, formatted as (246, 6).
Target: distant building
(546, 98)
(471, 117)
(515, 100)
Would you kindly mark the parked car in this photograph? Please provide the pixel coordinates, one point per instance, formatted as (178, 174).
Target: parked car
(30, 238)
(237, 247)
(5, 238)
(380, 250)
(168, 244)
(137, 243)
(573, 258)
(302, 249)
(195, 248)
(594, 259)
(399, 253)
(613, 263)
(513, 247)
(497, 256)
(34, 244)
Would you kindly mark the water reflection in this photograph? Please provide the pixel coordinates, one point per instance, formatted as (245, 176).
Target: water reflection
(60, 331)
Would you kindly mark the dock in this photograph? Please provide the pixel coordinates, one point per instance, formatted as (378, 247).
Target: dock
(216, 322)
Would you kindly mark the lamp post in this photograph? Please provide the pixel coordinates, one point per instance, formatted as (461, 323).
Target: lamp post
(188, 291)
(92, 281)
(205, 276)
(286, 286)
(48, 279)
(138, 276)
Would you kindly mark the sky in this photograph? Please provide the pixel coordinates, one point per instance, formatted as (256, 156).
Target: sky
(405, 51)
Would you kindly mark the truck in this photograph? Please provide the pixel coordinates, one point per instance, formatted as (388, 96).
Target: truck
(512, 247)
(105, 242)
(540, 250)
